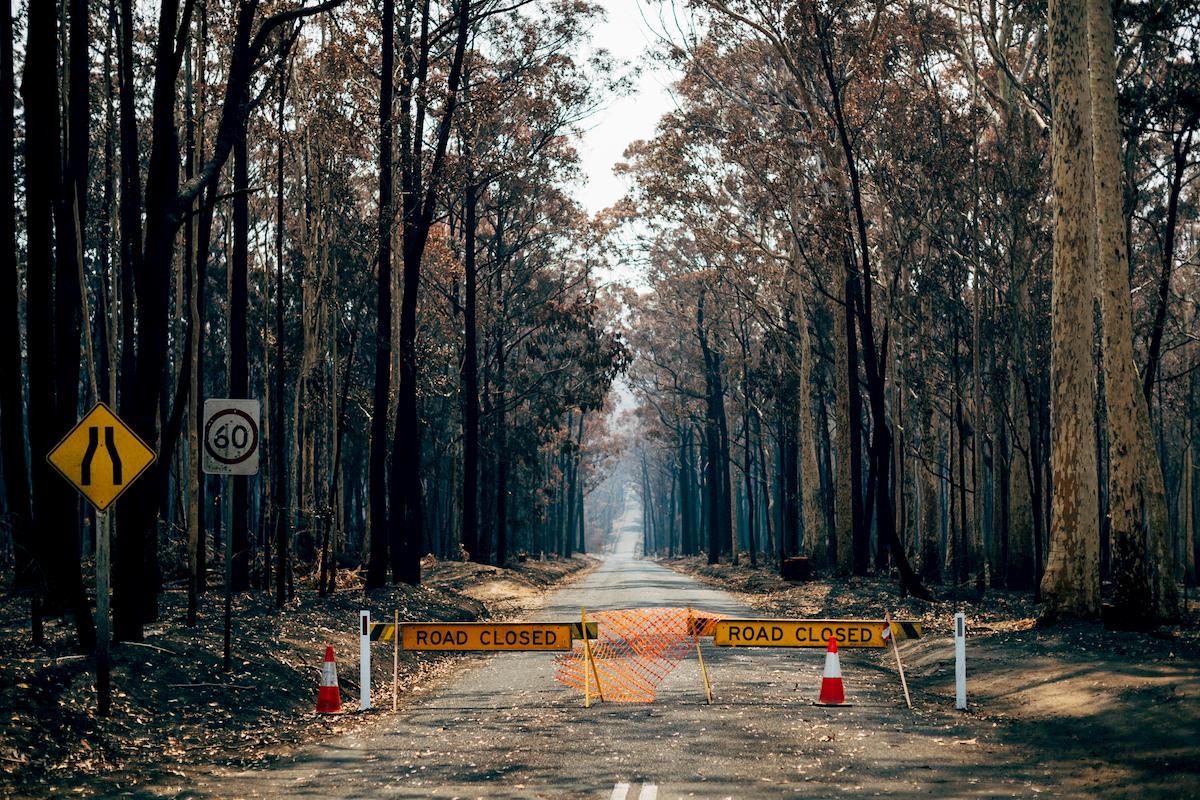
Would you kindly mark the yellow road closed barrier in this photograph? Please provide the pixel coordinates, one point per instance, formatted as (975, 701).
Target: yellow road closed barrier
(810, 632)
(485, 636)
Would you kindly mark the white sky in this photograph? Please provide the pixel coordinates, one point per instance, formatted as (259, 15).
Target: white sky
(627, 33)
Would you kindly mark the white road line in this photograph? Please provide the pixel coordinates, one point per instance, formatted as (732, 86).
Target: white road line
(649, 792)
(619, 791)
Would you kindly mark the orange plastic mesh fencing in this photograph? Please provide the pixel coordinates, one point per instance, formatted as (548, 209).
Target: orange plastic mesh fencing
(635, 650)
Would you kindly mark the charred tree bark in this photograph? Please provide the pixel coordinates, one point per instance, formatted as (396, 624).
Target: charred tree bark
(859, 299)
(578, 493)
(687, 503)
(380, 532)
(12, 413)
(50, 322)
(501, 444)
(860, 531)
(469, 375)
(720, 528)
(1181, 148)
(279, 471)
(419, 203)
(165, 211)
(239, 369)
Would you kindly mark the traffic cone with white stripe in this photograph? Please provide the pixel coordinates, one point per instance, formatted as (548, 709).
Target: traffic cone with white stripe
(329, 697)
(832, 692)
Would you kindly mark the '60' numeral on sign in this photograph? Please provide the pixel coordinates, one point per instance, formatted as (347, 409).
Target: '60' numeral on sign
(239, 437)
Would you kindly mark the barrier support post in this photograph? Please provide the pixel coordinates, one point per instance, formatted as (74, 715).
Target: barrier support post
(589, 662)
(695, 629)
(896, 649)
(364, 662)
(395, 657)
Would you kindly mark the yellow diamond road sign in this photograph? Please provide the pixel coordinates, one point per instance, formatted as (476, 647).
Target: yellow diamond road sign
(101, 456)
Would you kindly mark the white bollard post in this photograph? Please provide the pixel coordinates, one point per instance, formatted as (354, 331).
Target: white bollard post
(364, 662)
(960, 661)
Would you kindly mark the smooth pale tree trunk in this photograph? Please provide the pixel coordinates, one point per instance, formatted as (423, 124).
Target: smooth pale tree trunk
(1071, 584)
(1143, 579)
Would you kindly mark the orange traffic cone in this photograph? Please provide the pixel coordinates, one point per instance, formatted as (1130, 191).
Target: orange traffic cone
(832, 693)
(329, 697)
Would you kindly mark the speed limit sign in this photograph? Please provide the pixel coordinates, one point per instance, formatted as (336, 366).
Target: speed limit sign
(230, 436)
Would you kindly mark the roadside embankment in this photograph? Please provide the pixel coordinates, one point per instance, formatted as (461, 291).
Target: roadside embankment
(173, 704)
(1116, 712)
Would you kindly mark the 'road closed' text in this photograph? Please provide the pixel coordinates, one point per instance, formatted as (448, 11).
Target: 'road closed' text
(485, 636)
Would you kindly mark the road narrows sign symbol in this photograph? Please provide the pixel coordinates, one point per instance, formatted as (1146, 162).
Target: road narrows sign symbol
(101, 456)
(231, 437)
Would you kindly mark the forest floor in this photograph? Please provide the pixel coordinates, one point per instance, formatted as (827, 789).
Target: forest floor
(1124, 707)
(173, 705)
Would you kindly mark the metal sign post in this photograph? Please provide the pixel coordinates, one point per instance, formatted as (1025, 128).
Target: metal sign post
(103, 668)
(101, 457)
(228, 525)
(230, 447)
(960, 661)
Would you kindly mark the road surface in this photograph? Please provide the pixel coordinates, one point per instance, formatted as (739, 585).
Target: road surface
(502, 727)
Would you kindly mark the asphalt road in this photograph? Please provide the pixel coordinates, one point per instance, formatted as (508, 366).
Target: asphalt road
(502, 727)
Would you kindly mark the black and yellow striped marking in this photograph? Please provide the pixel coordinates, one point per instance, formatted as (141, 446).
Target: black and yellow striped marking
(382, 631)
(577, 633)
(810, 632)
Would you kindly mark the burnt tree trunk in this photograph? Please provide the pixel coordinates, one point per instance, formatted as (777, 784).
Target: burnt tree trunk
(377, 565)
(12, 415)
(239, 370)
